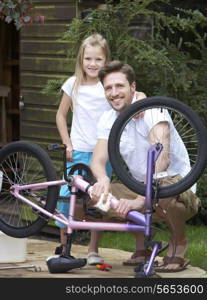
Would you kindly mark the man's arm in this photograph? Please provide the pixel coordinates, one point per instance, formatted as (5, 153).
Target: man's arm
(98, 167)
(160, 133)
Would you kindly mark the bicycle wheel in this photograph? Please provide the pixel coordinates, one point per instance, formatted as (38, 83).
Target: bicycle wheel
(25, 163)
(83, 170)
(186, 123)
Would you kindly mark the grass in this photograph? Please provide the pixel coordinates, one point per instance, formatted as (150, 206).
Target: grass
(196, 235)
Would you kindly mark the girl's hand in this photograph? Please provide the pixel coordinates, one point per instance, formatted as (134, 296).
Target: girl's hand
(139, 96)
(69, 152)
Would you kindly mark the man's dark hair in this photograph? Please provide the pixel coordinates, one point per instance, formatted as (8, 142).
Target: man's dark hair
(117, 66)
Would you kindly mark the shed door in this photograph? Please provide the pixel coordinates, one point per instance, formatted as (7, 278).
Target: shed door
(9, 83)
(43, 56)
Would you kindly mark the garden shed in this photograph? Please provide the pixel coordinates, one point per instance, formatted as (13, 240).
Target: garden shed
(29, 58)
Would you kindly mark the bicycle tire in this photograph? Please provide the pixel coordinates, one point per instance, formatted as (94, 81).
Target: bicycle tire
(24, 162)
(150, 103)
(83, 170)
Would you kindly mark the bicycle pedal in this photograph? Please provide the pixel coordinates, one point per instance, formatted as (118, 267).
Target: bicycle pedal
(139, 267)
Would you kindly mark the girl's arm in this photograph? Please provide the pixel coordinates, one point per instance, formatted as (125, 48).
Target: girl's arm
(139, 96)
(61, 121)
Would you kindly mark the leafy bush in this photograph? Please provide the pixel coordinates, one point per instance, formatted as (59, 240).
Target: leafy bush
(171, 57)
(19, 12)
(163, 64)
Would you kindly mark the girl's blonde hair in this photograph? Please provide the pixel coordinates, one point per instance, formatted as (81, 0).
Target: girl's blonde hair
(95, 39)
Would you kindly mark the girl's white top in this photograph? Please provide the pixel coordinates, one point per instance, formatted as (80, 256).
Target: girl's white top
(89, 105)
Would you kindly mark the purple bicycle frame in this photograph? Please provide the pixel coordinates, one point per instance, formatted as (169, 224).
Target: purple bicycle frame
(141, 222)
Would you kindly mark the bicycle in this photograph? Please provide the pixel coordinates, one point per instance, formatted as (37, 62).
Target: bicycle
(30, 187)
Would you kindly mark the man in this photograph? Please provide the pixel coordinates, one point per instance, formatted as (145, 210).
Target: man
(119, 84)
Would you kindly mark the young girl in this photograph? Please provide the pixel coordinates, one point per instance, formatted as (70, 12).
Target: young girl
(84, 95)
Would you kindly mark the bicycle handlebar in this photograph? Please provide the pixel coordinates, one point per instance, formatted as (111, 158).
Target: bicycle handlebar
(56, 147)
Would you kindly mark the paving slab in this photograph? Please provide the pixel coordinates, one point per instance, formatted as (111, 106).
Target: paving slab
(39, 250)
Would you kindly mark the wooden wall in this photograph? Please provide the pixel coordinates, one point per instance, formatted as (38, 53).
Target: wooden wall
(43, 57)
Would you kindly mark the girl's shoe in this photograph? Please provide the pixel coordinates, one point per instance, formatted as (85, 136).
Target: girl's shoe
(94, 258)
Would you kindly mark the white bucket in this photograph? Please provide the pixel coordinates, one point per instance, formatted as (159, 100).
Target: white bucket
(12, 249)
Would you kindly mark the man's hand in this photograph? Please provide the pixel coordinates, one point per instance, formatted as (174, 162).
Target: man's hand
(102, 186)
(125, 205)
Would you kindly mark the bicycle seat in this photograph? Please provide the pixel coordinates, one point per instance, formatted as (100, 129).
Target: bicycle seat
(63, 264)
